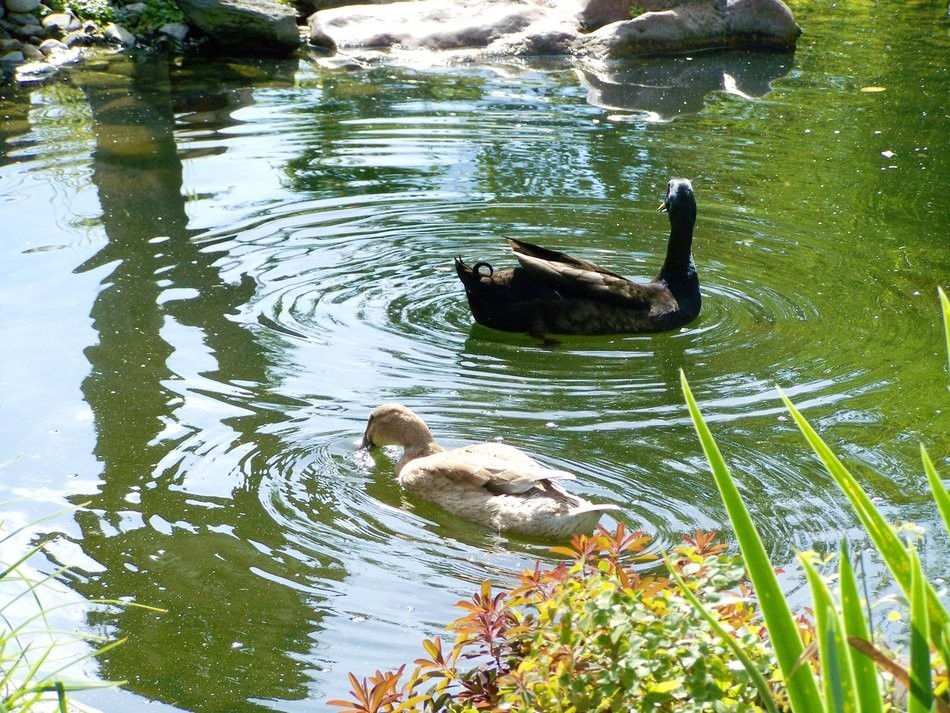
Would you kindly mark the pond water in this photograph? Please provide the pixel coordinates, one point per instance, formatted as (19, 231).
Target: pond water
(212, 272)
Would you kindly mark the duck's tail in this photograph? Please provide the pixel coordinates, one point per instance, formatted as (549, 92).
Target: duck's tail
(471, 276)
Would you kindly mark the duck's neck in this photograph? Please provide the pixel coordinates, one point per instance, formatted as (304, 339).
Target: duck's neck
(418, 449)
(679, 258)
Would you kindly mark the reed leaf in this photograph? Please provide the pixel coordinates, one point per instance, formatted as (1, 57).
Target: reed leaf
(945, 302)
(921, 695)
(941, 495)
(837, 675)
(800, 681)
(856, 627)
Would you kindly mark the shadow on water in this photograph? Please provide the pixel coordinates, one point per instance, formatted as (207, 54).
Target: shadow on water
(177, 522)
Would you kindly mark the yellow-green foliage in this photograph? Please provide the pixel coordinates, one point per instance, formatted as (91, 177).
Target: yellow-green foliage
(591, 635)
(600, 644)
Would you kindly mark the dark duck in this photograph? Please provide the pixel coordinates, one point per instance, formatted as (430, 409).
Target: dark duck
(554, 293)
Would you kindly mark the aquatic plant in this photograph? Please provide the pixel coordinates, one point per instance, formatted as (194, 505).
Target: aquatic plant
(847, 677)
(35, 658)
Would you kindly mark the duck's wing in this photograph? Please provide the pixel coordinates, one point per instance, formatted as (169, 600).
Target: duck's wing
(571, 275)
(499, 476)
(536, 253)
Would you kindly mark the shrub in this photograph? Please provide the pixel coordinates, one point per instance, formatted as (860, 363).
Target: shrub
(594, 634)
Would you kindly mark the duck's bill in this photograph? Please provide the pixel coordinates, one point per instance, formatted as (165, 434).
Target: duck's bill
(366, 442)
(661, 207)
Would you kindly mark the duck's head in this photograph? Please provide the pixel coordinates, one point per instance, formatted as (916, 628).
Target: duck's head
(396, 425)
(680, 202)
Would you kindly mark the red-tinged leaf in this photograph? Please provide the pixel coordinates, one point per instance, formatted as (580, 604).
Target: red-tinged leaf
(359, 690)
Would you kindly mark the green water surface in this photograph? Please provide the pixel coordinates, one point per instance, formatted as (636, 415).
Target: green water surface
(212, 271)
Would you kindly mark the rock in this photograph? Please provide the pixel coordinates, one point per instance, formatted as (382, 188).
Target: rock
(21, 5)
(12, 57)
(117, 33)
(752, 23)
(31, 53)
(60, 23)
(176, 30)
(80, 38)
(594, 14)
(255, 27)
(23, 18)
(696, 25)
(557, 26)
(423, 24)
(27, 32)
(48, 47)
(135, 9)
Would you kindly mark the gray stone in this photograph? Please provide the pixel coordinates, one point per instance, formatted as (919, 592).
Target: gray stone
(28, 32)
(241, 27)
(117, 33)
(23, 18)
(176, 30)
(594, 14)
(135, 9)
(13, 57)
(32, 53)
(48, 47)
(753, 23)
(61, 22)
(423, 24)
(80, 38)
(694, 25)
(558, 26)
(21, 5)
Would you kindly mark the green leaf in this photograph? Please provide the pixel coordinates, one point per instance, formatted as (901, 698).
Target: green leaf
(758, 680)
(856, 625)
(941, 496)
(837, 674)
(800, 681)
(921, 693)
(946, 325)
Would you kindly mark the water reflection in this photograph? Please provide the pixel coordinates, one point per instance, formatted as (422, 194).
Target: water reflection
(665, 88)
(177, 522)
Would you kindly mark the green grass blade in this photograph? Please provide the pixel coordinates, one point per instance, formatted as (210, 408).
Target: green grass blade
(800, 681)
(888, 544)
(921, 693)
(758, 680)
(946, 326)
(941, 495)
(856, 625)
(837, 676)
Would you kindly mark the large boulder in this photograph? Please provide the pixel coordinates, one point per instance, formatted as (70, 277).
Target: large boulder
(423, 24)
(245, 27)
(677, 26)
(621, 28)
